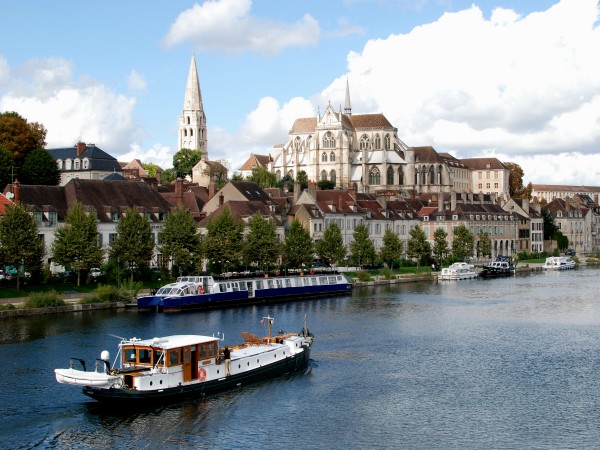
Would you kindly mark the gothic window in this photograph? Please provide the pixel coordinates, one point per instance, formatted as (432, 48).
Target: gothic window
(364, 142)
(332, 176)
(417, 177)
(387, 142)
(278, 175)
(374, 177)
(188, 120)
(400, 176)
(431, 175)
(439, 175)
(323, 175)
(328, 140)
(424, 172)
(377, 142)
(297, 143)
(191, 131)
(324, 157)
(185, 132)
(390, 175)
(332, 156)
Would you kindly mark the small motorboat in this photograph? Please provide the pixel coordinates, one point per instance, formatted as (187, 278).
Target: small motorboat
(459, 271)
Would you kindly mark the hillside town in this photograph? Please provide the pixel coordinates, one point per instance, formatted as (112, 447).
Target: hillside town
(355, 168)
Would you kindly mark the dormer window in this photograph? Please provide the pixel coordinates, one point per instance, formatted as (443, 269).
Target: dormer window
(455, 217)
(425, 218)
(59, 164)
(86, 163)
(114, 216)
(52, 218)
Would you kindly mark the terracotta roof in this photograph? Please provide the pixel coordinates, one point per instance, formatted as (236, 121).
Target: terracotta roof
(255, 161)
(243, 210)
(354, 121)
(427, 154)
(564, 188)
(4, 202)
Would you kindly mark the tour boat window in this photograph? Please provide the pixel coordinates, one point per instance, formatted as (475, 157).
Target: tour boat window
(314, 281)
(259, 284)
(212, 349)
(130, 355)
(203, 351)
(270, 283)
(174, 357)
(331, 280)
(158, 357)
(279, 283)
(288, 282)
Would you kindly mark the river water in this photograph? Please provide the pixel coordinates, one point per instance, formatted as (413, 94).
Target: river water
(505, 363)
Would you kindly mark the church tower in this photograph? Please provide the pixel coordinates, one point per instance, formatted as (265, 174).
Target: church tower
(192, 122)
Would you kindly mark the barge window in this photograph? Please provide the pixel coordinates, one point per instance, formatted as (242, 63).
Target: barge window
(144, 356)
(259, 284)
(288, 282)
(235, 287)
(314, 281)
(279, 283)
(203, 351)
(331, 280)
(270, 283)
(173, 357)
(130, 355)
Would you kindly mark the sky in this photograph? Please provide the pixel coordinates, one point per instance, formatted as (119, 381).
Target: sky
(515, 80)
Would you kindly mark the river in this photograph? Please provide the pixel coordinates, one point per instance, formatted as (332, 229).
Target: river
(504, 363)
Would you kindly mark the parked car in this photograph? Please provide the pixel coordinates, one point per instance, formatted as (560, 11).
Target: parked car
(95, 273)
(570, 252)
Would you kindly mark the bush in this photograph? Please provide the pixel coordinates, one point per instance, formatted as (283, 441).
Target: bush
(7, 307)
(108, 293)
(45, 299)
(363, 275)
(388, 274)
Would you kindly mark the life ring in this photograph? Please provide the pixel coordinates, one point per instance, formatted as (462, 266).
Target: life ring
(312, 271)
(202, 374)
(201, 290)
(277, 272)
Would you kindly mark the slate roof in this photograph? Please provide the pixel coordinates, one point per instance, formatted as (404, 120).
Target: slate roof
(99, 159)
(482, 163)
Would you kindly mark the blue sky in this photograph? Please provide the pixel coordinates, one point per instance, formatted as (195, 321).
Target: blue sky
(516, 80)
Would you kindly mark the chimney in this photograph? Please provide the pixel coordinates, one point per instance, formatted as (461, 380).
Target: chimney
(80, 147)
(340, 203)
(453, 201)
(312, 189)
(221, 199)
(568, 203)
(17, 194)
(212, 189)
(577, 201)
(297, 191)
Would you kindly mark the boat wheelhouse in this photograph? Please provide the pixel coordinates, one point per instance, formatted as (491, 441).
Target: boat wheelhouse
(502, 266)
(206, 292)
(181, 366)
(459, 271)
(558, 263)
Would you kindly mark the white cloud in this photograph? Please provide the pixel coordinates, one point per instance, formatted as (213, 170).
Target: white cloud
(71, 110)
(136, 81)
(157, 154)
(228, 25)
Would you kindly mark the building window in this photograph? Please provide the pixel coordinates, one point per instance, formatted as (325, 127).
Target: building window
(328, 140)
(324, 157)
(332, 176)
(377, 141)
(86, 163)
(390, 175)
(111, 238)
(188, 120)
(374, 176)
(323, 175)
(387, 142)
(400, 176)
(191, 131)
(59, 163)
(297, 143)
(364, 142)
(332, 156)
(278, 175)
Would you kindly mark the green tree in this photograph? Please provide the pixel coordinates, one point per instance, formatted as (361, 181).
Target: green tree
(550, 227)
(6, 168)
(261, 245)
(39, 168)
(224, 241)
(180, 242)
(362, 249)
(151, 168)
(302, 178)
(185, 160)
(417, 246)
(331, 246)
(392, 248)
(326, 185)
(485, 244)
(134, 243)
(298, 247)
(20, 137)
(516, 189)
(20, 245)
(76, 242)
(440, 245)
(462, 244)
(168, 175)
(262, 177)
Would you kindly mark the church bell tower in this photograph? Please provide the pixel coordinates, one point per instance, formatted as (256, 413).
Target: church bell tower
(192, 122)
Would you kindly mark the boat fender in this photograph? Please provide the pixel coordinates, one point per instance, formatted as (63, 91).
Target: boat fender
(312, 271)
(202, 374)
(277, 272)
(201, 290)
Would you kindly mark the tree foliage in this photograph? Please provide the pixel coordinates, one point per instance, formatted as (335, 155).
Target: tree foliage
(134, 243)
(168, 175)
(515, 182)
(20, 137)
(217, 173)
(549, 226)
(262, 177)
(180, 241)
(76, 242)
(462, 243)
(298, 247)
(362, 249)
(302, 179)
(261, 245)
(185, 160)
(19, 241)
(326, 185)
(392, 248)
(151, 168)
(331, 246)
(39, 168)
(440, 245)
(417, 246)
(224, 241)
(484, 246)
(6, 168)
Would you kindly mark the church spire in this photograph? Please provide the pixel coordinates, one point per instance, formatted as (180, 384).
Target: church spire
(192, 121)
(347, 107)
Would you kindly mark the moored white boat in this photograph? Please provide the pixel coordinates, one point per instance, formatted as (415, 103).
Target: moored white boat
(459, 271)
(181, 366)
(558, 263)
(206, 292)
